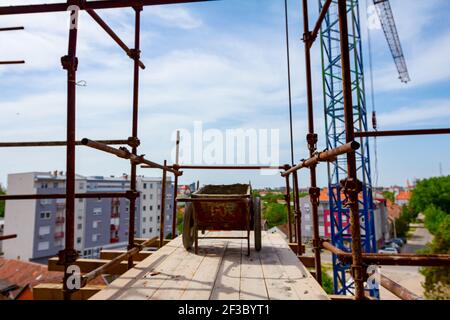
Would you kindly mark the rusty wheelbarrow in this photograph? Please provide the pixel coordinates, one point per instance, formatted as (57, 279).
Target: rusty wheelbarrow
(222, 208)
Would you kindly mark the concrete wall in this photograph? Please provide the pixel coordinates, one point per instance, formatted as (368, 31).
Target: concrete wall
(20, 218)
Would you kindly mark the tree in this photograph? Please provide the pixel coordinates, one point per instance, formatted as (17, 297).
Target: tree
(389, 196)
(402, 223)
(432, 198)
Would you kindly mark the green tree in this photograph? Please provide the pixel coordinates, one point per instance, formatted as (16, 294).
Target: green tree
(275, 214)
(432, 198)
(432, 191)
(389, 196)
(2, 203)
(402, 223)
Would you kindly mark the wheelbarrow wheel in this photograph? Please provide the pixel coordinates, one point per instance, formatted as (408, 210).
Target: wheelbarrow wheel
(257, 222)
(188, 227)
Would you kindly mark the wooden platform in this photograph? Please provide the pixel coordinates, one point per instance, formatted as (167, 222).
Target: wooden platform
(220, 271)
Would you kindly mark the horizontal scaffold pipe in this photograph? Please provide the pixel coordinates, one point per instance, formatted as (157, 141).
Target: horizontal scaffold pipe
(90, 195)
(106, 4)
(404, 259)
(193, 167)
(125, 154)
(397, 289)
(324, 156)
(107, 266)
(55, 143)
(7, 237)
(395, 133)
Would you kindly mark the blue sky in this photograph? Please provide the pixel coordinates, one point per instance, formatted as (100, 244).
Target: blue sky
(223, 63)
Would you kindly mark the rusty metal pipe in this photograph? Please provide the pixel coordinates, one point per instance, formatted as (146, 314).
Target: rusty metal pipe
(125, 154)
(114, 262)
(325, 156)
(298, 214)
(397, 289)
(352, 180)
(289, 209)
(7, 237)
(162, 219)
(174, 207)
(113, 35)
(403, 259)
(90, 195)
(105, 4)
(13, 62)
(394, 133)
(188, 167)
(11, 29)
(319, 22)
(55, 143)
(224, 199)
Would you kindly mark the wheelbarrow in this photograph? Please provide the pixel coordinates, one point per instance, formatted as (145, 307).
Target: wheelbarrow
(222, 208)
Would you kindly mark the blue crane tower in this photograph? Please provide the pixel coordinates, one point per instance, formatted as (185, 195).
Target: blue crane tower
(335, 129)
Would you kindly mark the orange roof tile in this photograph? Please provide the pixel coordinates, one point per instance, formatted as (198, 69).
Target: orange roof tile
(404, 195)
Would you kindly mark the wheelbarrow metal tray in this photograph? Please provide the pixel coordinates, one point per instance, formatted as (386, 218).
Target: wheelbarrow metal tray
(231, 211)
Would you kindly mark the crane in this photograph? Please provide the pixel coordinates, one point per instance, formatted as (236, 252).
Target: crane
(386, 16)
(338, 216)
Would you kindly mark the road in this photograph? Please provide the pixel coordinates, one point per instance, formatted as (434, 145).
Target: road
(408, 276)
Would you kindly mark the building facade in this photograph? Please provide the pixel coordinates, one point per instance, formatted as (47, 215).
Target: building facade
(380, 219)
(99, 223)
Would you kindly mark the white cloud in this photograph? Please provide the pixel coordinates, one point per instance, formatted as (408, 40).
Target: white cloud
(174, 16)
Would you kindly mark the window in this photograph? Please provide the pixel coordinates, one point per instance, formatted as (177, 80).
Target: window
(151, 196)
(46, 215)
(96, 237)
(97, 211)
(55, 185)
(159, 207)
(144, 196)
(46, 201)
(78, 240)
(81, 186)
(151, 208)
(79, 226)
(95, 224)
(44, 186)
(144, 208)
(159, 218)
(143, 231)
(43, 245)
(80, 200)
(145, 186)
(151, 219)
(144, 219)
(151, 185)
(150, 230)
(44, 230)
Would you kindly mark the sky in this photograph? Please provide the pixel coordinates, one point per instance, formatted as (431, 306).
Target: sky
(222, 63)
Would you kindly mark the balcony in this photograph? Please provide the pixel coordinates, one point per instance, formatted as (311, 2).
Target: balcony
(59, 235)
(114, 240)
(60, 220)
(115, 215)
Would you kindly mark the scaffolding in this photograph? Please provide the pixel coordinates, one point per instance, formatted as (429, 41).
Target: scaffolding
(351, 186)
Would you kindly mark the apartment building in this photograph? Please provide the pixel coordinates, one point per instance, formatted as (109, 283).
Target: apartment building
(380, 218)
(99, 223)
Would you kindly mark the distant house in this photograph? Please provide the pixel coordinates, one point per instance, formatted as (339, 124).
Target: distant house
(403, 198)
(17, 278)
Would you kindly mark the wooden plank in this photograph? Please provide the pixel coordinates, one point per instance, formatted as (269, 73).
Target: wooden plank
(53, 291)
(202, 283)
(294, 246)
(308, 262)
(87, 265)
(226, 286)
(128, 279)
(304, 284)
(111, 254)
(173, 288)
(153, 243)
(148, 284)
(252, 286)
(278, 284)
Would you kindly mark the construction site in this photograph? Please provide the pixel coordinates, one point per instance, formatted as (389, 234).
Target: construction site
(224, 251)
